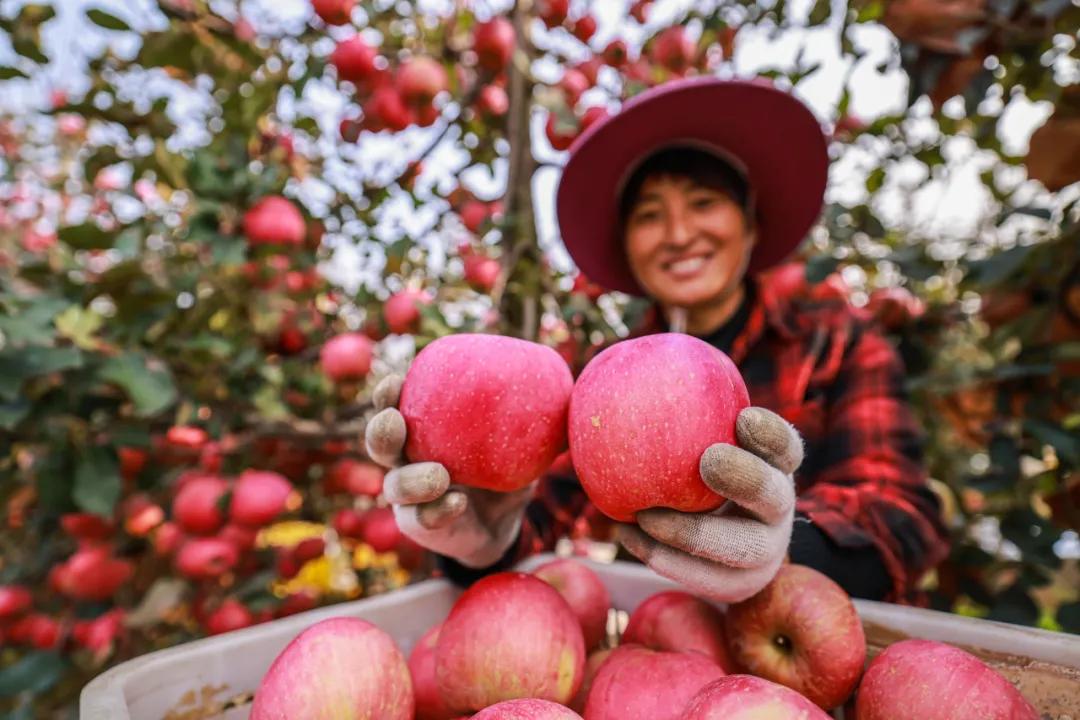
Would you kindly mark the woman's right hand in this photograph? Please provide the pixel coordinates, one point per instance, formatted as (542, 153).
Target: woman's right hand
(473, 526)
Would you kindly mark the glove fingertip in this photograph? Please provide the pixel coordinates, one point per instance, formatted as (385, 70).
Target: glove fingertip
(384, 437)
(770, 437)
(388, 392)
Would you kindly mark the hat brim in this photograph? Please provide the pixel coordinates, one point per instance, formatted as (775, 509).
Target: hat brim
(774, 136)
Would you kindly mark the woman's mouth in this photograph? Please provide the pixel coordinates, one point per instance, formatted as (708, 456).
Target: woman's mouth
(685, 268)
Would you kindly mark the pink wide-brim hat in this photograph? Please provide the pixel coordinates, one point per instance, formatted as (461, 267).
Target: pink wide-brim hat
(762, 131)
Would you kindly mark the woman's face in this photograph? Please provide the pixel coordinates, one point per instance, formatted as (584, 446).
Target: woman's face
(688, 245)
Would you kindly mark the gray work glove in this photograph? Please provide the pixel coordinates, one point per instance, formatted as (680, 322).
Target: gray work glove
(473, 526)
(733, 552)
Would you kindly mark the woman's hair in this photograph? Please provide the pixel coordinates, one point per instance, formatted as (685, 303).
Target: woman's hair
(698, 166)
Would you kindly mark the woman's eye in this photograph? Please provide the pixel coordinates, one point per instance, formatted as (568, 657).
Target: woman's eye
(702, 202)
(646, 215)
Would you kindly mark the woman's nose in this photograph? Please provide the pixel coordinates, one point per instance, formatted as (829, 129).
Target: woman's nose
(680, 231)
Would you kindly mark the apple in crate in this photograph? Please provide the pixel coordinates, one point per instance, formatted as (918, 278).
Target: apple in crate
(491, 409)
(592, 666)
(929, 680)
(679, 622)
(745, 697)
(801, 631)
(429, 703)
(509, 636)
(641, 415)
(341, 668)
(635, 682)
(584, 592)
(527, 709)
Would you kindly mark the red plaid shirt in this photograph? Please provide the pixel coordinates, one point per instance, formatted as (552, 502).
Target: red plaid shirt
(830, 373)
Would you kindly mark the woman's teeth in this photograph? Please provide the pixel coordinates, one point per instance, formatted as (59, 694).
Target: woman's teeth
(688, 265)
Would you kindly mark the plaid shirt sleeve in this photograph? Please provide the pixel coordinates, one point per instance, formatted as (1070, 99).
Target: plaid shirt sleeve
(866, 485)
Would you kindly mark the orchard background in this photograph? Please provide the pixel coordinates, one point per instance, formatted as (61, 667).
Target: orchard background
(191, 215)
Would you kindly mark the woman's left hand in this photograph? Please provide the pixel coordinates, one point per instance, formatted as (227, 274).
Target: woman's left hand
(733, 552)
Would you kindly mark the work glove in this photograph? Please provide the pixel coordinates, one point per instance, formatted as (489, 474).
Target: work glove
(733, 552)
(473, 526)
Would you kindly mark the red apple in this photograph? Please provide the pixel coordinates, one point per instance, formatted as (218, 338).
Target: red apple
(590, 69)
(482, 272)
(801, 631)
(348, 523)
(635, 397)
(592, 666)
(929, 680)
(296, 603)
(584, 592)
(274, 221)
(584, 28)
(527, 709)
(354, 60)
(346, 357)
(333, 12)
(36, 630)
(167, 538)
(673, 49)
(14, 600)
(132, 461)
(186, 437)
(635, 682)
(509, 636)
(573, 84)
(242, 537)
(342, 668)
(493, 42)
(616, 53)
(141, 515)
(420, 78)
(259, 496)
(493, 101)
(206, 558)
(355, 477)
(100, 634)
(639, 10)
(561, 138)
(491, 409)
(679, 622)
(402, 311)
(429, 703)
(380, 530)
(92, 573)
(553, 12)
(474, 214)
(230, 615)
(197, 505)
(349, 129)
(86, 526)
(745, 697)
(386, 110)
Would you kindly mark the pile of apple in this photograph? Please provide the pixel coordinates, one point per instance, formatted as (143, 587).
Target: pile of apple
(519, 646)
(496, 411)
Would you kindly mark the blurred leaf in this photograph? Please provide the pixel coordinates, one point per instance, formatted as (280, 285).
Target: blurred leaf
(1068, 617)
(820, 12)
(28, 48)
(6, 73)
(97, 482)
(55, 477)
(1014, 605)
(79, 325)
(875, 180)
(106, 20)
(87, 236)
(999, 267)
(32, 325)
(150, 388)
(20, 364)
(1050, 8)
(35, 14)
(820, 267)
(33, 674)
(12, 413)
(1066, 444)
(1043, 213)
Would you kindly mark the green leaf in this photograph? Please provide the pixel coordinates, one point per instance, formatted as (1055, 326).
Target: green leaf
(33, 674)
(28, 48)
(6, 73)
(821, 11)
(105, 20)
(875, 180)
(820, 267)
(54, 478)
(87, 236)
(79, 325)
(149, 384)
(33, 325)
(20, 364)
(13, 413)
(97, 482)
(999, 267)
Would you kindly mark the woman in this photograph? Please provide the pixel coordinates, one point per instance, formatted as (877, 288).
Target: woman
(687, 196)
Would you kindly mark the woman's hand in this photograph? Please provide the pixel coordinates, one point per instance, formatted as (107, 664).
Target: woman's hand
(473, 526)
(733, 552)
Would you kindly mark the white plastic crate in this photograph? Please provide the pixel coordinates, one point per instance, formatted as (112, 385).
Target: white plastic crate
(214, 678)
